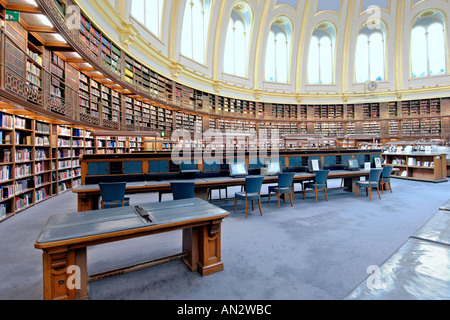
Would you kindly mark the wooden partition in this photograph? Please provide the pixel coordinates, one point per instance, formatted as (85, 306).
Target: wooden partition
(160, 166)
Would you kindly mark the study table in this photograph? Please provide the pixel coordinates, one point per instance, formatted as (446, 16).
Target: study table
(65, 237)
(89, 195)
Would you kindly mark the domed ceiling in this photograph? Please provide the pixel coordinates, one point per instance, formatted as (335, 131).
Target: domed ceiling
(288, 51)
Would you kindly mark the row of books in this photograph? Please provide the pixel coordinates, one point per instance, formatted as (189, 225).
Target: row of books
(4, 173)
(6, 157)
(42, 127)
(6, 121)
(64, 142)
(42, 141)
(20, 186)
(6, 191)
(5, 138)
(23, 170)
(23, 155)
(3, 211)
(41, 194)
(23, 201)
(24, 139)
(39, 154)
(417, 163)
(40, 167)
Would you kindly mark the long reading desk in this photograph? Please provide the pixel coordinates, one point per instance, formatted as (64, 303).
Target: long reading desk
(65, 238)
(89, 195)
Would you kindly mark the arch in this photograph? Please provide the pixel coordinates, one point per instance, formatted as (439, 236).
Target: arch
(194, 38)
(278, 54)
(237, 42)
(370, 56)
(321, 57)
(428, 44)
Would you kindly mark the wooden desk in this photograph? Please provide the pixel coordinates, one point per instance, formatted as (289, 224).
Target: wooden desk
(89, 195)
(65, 237)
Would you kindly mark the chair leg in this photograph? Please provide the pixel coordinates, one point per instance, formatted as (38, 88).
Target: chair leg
(356, 191)
(253, 205)
(390, 186)
(317, 194)
(325, 191)
(378, 190)
(235, 204)
(268, 198)
(303, 193)
(245, 207)
(278, 195)
(259, 204)
(370, 193)
(290, 198)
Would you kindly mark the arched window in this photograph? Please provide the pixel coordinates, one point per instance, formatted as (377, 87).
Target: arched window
(149, 13)
(428, 46)
(321, 55)
(370, 55)
(237, 41)
(278, 51)
(195, 29)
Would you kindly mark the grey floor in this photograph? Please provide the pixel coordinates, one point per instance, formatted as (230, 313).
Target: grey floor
(311, 251)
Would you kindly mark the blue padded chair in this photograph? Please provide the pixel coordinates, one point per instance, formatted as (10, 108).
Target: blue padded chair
(113, 195)
(182, 190)
(284, 187)
(252, 192)
(319, 183)
(372, 182)
(385, 178)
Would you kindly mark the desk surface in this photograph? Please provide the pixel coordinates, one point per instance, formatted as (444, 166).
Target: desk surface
(228, 179)
(63, 227)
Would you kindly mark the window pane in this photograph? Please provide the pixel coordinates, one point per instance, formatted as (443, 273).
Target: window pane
(436, 49)
(228, 65)
(137, 10)
(362, 59)
(326, 60)
(270, 57)
(376, 57)
(313, 61)
(186, 37)
(281, 58)
(198, 32)
(418, 52)
(240, 50)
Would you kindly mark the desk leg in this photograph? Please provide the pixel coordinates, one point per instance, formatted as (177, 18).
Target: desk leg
(349, 183)
(87, 202)
(190, 246)
(61, 280)
(202, 193)
(202, 245)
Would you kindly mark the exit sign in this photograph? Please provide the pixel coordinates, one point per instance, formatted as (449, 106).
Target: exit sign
(12, 15)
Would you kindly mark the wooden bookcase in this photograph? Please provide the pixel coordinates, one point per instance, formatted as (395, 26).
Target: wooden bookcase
(38, 160)
(418, 166)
